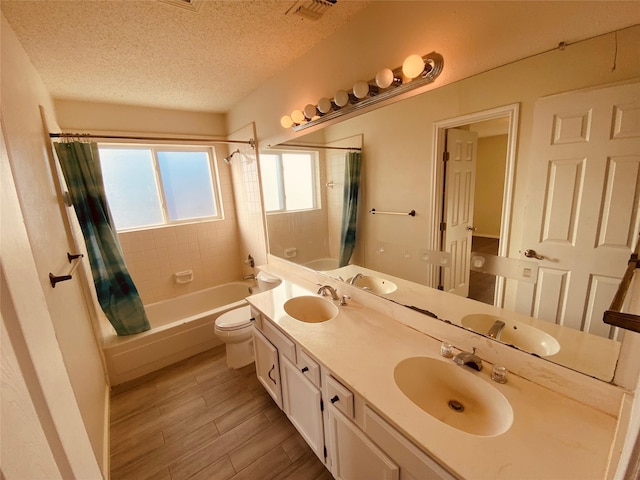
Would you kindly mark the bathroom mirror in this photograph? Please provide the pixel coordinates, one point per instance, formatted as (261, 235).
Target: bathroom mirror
(400, 143)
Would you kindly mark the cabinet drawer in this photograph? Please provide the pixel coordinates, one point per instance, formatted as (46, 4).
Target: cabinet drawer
(411, 459)
(340, 396)
(257, 317)
(285, 346)
(309, 367)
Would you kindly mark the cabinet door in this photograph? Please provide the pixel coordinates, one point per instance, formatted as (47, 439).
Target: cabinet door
(267, 367)
(414, 464)
(301, 402)
(354, 456)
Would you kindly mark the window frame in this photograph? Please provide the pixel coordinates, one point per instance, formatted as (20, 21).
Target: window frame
(154, 148)
(315, 172)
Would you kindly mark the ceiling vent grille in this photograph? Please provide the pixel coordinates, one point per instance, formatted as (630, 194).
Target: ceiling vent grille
(311, 9)
(193, 5)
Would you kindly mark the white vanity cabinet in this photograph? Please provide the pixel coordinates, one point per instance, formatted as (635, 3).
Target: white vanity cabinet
(413, 463)
(269, 346)
(267, 366)
(354, 456)
(366, 446)
(302, 402)
(353, 441)
(293, 384)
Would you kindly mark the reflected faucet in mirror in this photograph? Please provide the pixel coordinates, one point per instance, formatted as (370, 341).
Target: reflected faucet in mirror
(496, 329)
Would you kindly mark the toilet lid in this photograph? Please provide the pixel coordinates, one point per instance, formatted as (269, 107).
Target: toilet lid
(234, 319)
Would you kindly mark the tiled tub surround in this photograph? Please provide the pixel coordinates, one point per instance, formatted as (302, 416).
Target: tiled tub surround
(209, 249)
(552, 436)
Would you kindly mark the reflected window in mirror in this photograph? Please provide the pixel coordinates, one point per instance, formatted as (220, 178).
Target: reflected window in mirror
(289, 181)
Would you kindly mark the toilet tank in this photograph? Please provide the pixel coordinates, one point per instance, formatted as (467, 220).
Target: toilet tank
(266, 281)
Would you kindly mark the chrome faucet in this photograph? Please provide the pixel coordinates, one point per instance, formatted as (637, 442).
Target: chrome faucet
(496, 329)
(325, 290)
(470, 359)
(355, 278)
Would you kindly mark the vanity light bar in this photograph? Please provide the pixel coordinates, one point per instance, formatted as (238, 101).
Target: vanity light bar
(415, 72)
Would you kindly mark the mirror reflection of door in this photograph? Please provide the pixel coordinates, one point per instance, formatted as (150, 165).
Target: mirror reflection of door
(459, 180)
(583, 211)
(473, 222)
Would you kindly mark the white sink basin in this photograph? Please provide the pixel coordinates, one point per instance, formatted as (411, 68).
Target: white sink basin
(454, 396)
(310, 309)
(518, 334)
(374, 284)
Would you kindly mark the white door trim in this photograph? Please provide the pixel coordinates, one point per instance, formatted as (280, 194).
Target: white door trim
(512, 112)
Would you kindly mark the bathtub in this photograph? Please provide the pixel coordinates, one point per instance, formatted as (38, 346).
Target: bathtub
(180, 328)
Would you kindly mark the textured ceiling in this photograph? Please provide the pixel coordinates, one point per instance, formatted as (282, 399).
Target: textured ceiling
(153, 53)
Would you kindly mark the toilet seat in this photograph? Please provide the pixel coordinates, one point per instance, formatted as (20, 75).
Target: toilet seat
(235, 319)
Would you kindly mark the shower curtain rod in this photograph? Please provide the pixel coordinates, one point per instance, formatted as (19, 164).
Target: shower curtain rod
(251, 141)
(299, 145)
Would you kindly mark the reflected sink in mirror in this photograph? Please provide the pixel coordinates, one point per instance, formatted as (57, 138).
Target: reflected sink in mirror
(518, 334)
(376, 285)
(454, 396)
(310, 309)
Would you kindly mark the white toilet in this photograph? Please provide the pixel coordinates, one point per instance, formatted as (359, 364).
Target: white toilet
(235, 327)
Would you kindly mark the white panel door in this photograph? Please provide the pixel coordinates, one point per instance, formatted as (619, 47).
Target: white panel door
(582, 206)
(460, 179)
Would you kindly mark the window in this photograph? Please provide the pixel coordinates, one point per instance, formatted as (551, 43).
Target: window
(158, 185)
(289, 181)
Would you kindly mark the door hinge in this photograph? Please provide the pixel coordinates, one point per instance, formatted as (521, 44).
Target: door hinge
(321, 405)
(443, 226)
(445, 156)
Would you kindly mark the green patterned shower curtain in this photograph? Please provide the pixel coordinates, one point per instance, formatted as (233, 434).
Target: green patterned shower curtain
(116, 292)
(353, 166)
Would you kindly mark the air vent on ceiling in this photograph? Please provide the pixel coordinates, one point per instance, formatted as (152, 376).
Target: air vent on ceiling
(193, 5)
(311, 9)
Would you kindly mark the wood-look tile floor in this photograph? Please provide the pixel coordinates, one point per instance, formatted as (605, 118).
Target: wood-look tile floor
(199, 419)
(482, 285)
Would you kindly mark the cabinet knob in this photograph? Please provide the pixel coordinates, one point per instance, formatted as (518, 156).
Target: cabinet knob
(305, 369)
(334, 399)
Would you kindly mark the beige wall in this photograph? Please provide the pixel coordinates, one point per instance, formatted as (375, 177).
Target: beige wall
(104, 117)
(487, 207)
(473, 37)
(55, 325)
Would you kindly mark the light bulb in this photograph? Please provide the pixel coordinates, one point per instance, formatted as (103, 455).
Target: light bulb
(324, 105)
(297, 116)
(384, 78)
(286, 121)
(361, 89)
(310, 111)
(341, 98)
(413, 66)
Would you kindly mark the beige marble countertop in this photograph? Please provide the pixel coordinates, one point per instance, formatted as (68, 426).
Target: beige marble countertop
(552, 436)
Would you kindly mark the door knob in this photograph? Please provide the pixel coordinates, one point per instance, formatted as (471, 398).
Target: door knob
(471, 229)
(533, 254)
